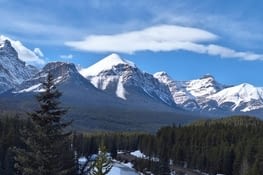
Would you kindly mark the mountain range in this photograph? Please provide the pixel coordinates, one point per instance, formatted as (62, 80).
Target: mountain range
(114, 93)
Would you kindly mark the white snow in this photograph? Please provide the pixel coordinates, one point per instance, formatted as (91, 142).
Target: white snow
(197, 93)
(117, 73)
(240, 94)
(138, 154)
(122, 169)
(118, 168)
(58, 79)
(120, 91)
(82, 160)
(30, 89)
(24, 53)
(102, 82)
(128, 164)
(105, 64)
(177, 88)
(202, 87)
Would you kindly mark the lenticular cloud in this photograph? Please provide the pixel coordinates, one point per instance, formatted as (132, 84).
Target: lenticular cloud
(161, 38)
(158, 38)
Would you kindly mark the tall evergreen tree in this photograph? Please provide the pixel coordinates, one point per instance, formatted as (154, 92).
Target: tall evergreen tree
(48, 149)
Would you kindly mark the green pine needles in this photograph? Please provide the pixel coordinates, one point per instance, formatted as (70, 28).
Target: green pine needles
(47, 147)
(103, 162)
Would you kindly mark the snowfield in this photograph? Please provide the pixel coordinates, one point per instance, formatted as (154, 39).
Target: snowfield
(118, 168)
(122, 169)
(138, 154)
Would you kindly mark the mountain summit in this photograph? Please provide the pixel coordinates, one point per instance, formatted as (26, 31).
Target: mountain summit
(116, 88)
(207, 95)
(123, 79)
(105, 64)
(13, 71)
(33, 57)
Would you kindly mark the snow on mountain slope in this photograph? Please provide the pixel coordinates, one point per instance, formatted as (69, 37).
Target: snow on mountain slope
(24, 54)
(192, 94)
(178, 90)
(204, 86)
(122, 78)
(206, 94)
(105, 64)
(59, 70)
(244, 97)
(13, 71)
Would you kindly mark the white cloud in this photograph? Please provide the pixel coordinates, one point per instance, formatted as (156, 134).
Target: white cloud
(25, 54)
(69, 56)
(158, 38)
(230, 53)
(38, 52)
(161, 38)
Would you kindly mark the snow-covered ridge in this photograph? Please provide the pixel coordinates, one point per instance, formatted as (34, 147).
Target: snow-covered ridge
(121, 78)
(24, 53)
(240, 95)
(204, 86)
(13, 71)
(105, 64)
(60, 71)
(207, 94)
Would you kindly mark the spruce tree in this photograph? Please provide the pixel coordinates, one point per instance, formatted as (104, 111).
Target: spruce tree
(103, 163)
(47, 147)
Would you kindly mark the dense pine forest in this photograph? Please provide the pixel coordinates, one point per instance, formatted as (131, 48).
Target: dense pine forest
(233, 146)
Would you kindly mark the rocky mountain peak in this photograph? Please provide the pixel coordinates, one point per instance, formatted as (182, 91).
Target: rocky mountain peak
(13, 70)
(6, 49)
(105, 64)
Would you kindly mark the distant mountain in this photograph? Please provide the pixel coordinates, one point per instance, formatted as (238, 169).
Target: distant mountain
(13, 71)
(207, 95)
(123, 79)
(25, 54)
(64, 73)
(178, 89)
(114, 93)
(191, 95)
(244, 97)
(92, 108)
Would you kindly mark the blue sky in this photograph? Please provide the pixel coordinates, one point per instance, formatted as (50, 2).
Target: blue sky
(185, 38)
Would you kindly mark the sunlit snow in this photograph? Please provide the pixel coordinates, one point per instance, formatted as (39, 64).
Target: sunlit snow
(104, 64)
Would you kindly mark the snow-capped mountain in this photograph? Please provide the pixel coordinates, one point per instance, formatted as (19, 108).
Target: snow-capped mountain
(91, 107)
(13, 71)
(204, 86)
(62, 72)
(190, 94)
(178, 90)
(125, 80)
(114, 92)
(244, 97)
(25, 54)
(207, 95)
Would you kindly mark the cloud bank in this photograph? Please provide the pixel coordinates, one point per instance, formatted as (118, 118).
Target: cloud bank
(161, 38)
(30, 57)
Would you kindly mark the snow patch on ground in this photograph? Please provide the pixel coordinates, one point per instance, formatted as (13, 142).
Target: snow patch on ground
(138, 154)
(122, 169)
(118, 168)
